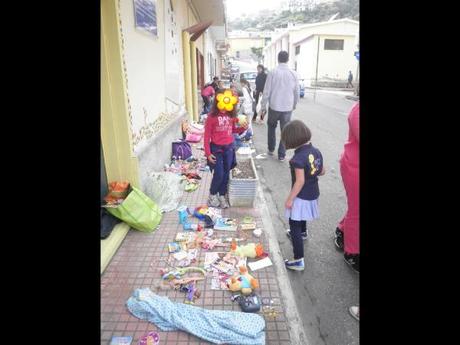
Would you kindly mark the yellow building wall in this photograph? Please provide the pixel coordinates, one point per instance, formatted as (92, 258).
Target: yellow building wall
(239, 44)
(115, 127)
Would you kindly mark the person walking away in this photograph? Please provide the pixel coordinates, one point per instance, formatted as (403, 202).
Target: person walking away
(302, 203)
(281, 92)
(218, 144)
(246, 107)
(347, 232)
(260, 84)
(350, 79)
(206, 94)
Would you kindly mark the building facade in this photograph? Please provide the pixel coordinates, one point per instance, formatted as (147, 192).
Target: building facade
(155, 57)
(319, 51)
(241, 42)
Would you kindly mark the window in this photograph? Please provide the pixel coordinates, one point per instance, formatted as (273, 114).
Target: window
(297, 50)
(333, 44)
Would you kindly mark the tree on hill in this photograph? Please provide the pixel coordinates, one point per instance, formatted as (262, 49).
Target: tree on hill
(299, 12)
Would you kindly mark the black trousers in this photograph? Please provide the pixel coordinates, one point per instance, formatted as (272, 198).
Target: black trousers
(297, 229)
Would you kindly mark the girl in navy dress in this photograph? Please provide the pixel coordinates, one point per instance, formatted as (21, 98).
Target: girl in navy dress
(302, 202)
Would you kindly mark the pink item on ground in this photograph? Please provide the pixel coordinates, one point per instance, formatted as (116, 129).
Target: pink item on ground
(151, 338)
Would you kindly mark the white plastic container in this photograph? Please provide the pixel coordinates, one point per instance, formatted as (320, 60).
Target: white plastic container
(242, 191)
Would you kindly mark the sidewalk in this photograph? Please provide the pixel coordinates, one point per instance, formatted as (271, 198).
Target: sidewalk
(141, 256)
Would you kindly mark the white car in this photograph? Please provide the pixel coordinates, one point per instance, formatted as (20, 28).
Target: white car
(250, 77)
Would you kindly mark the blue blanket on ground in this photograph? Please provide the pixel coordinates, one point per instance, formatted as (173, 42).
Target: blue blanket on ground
(216, 326)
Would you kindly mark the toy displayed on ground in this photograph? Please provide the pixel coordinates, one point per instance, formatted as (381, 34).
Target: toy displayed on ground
(226, 224)
(243, 282)
(250, 250)
(248, 304)
(179, 272)
(268, 309)
(121, 340)
(151, 338)
(191, 291)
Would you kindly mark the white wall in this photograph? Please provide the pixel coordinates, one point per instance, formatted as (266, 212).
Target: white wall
(210, 47)
(337, 63)
(332, 63)
(144, 57)
(306, 60)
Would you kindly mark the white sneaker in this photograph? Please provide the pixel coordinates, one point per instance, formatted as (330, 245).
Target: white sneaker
(354, 311)
(213, 200)
(223, 202)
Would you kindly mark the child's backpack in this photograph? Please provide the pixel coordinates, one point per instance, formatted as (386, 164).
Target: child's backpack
(182, 149)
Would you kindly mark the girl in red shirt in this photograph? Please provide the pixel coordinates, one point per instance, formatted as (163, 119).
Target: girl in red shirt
(220, 125)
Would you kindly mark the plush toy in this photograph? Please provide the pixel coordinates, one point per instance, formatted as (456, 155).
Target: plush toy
(243, 282)
(250, 250)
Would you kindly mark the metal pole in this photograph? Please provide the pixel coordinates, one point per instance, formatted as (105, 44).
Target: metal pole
(316, 78)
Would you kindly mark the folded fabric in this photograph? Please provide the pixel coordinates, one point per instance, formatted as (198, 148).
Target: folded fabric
(215, 326)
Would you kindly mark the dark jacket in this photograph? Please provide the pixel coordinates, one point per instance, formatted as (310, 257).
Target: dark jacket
(260, 81)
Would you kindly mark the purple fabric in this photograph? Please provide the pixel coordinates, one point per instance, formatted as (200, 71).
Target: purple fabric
(182, 149)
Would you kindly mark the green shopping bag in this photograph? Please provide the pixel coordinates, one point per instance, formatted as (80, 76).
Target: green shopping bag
(138, 211)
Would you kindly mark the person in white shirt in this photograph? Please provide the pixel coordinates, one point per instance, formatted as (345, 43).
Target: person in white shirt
(281, 92)
(247, 110)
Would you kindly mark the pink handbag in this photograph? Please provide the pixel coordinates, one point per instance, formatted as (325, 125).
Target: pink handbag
(196, 129)
(193, 138)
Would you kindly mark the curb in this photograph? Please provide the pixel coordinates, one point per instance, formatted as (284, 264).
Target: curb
(296, 330)
(353, 98)
(328, 88)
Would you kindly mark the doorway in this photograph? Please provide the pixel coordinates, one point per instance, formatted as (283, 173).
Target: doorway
(200, 69)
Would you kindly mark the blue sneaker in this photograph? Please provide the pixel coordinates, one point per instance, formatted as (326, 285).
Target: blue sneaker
(296, 265)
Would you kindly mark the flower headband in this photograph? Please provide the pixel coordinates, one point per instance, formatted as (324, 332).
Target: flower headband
(226, 100)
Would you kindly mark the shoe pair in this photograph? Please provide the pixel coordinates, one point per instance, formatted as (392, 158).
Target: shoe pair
(304, 234)
(281, 159)
(295, 265)
(350, 259)
(218, 201)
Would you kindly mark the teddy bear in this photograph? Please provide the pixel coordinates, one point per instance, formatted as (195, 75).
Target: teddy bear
(243, 282)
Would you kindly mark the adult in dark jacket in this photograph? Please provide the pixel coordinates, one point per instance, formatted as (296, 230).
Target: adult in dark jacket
(215, 83)
(260, 84)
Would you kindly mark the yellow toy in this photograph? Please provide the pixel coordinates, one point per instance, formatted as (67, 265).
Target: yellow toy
(250, 250)
(243, 282)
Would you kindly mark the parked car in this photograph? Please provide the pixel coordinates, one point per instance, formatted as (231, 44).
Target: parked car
(250, 77)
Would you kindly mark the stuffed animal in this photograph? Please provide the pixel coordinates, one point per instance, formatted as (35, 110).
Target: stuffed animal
(243, 282)
(250, 250)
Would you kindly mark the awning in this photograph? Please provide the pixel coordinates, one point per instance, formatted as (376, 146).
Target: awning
(197, 30)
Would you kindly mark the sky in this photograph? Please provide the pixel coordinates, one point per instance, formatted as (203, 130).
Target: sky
(235, 8)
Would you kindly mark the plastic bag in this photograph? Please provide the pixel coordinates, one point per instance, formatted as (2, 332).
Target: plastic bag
(165, 189)
(138, 211)
(259, 104)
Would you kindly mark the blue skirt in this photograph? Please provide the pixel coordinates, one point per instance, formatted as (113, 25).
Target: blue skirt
(303, 210)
